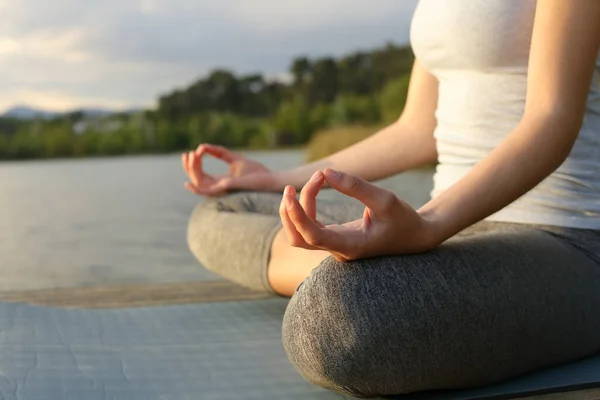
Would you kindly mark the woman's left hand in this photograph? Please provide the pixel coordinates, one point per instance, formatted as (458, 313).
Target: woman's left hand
(389, 226)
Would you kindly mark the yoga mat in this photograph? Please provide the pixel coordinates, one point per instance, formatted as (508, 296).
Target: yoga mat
(581, 375)
(202, 351)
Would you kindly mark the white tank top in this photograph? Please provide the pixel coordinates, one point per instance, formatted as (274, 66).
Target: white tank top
(479, 52)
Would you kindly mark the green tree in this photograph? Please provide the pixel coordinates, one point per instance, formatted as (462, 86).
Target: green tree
(393, 98)
(301, 70)
(86, 144)
(320, 116)
(323, 86)
(171, 136)
(352, 109)
(293, 121)
(26, 143)
(57, 142)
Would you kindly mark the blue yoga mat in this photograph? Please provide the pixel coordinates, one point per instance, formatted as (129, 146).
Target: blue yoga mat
(206, 351)
(578, 376)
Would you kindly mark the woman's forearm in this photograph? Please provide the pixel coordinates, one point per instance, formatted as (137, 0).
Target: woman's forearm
(530, 153)
(392, 150)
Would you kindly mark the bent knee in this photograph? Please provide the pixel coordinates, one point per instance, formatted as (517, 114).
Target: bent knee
(231, 240)
(200, 227)
(333, 336)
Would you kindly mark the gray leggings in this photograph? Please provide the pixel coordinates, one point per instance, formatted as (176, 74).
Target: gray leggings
(496, 301)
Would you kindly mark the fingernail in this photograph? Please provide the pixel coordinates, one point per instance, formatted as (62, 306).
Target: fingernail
(288, 201)
(316, 176)
(333, 174)
(287, 191)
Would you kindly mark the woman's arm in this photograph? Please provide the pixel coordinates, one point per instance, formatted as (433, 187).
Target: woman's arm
(405, 144)
(565, 46)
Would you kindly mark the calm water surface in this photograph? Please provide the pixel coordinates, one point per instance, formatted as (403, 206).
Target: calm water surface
(115, 220)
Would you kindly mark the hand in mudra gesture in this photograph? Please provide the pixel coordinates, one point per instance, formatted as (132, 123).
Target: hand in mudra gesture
(243, 173)
(389, 226)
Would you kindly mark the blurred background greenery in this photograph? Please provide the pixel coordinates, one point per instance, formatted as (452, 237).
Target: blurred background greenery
(326, 104)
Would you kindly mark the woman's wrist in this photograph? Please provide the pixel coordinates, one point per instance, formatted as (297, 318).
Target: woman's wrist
(296, 177)
(433, 232)
(279, 180)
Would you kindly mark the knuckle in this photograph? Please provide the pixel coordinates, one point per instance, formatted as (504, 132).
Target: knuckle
(350, 255)
(388, 200)
(315, 240)
(353, 183)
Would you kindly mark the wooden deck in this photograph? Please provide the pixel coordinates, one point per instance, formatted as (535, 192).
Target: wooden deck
(127, 296)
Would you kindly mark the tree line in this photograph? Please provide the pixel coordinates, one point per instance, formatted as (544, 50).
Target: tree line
(247, 111)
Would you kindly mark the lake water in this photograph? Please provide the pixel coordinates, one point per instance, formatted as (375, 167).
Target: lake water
(110, 221)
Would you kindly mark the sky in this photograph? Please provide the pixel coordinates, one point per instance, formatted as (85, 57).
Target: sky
(64, 54)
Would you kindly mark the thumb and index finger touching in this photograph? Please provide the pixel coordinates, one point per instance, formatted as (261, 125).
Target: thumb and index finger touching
(375, 198)
(223, 154)
(218, 152)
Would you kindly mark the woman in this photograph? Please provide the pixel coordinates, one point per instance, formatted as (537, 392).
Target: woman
(499, 274)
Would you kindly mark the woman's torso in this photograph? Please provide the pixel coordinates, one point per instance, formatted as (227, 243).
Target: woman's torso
(479, 52)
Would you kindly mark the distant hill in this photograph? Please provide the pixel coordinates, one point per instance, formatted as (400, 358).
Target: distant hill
(23, 112)
(27, 113)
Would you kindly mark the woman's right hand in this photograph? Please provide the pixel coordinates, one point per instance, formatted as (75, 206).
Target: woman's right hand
(243, 174)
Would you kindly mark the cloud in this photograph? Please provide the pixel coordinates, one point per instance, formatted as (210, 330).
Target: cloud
(8, 46)
(60, 101)
(127, 52)
(311, 14)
